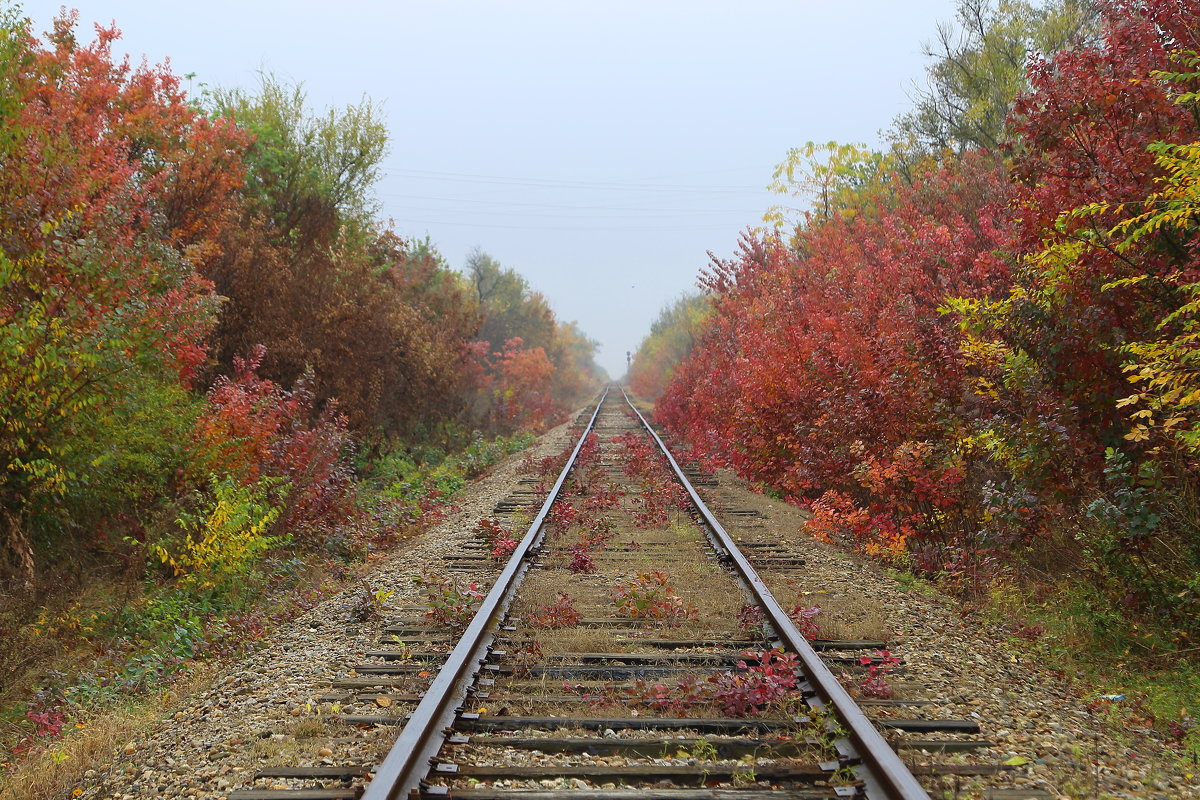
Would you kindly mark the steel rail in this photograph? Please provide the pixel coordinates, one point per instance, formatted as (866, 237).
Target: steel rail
(885, 774)
(424, 733)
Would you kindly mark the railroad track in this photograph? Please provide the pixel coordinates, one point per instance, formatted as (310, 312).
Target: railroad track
(627, 648)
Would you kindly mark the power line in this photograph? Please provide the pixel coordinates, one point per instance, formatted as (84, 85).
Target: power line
(637, 209)
(598, 229)
(551, 183)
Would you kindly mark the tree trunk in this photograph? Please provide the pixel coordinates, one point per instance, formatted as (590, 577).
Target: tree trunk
(16, 551)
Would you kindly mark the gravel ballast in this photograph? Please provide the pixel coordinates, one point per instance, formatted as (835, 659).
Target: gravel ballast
(267, 708)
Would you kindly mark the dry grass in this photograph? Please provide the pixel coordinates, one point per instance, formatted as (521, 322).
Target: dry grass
(564, 641)
(302, 738)
(52, 628)
(56, 772)
(849, 617)
(310, 728)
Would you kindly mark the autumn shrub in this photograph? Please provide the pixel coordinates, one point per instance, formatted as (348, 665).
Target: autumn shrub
(99, 242)
(581, 560)
(382, 321)
(500, 540)
(128, 462)
(837, 519)
(981, 366)
(1140, 540)
(254, 429)
(225, 537)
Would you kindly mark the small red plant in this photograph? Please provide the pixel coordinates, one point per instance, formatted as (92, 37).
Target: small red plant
(588, 458)
(48, 725)
(750, 617)
(636, 454)
(1029, 633)
(875, 683)
(599, 499)
(491, 530)
(498, 537)
(676, 699)
(581, 560)
(559, 614)
(592, 541)
(761, 679)
(597, 526)
(503, 548)
(806, 621)
(450, 603)
(562, 516)
(651, 597)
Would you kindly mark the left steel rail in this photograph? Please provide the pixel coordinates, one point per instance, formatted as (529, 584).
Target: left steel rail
(423, 735)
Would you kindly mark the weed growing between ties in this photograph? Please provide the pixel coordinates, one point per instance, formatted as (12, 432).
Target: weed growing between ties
(559, 614)
(651, 598)
(450, 603)
(500, 540)
(762, 682)
(874, 684)
(369, 603)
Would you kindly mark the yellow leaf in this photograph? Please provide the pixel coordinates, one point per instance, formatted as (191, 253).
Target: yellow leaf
(1016, 761)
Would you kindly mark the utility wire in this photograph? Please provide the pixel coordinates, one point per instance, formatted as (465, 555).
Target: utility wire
(598, 229)
(549, 183)
(637, 209)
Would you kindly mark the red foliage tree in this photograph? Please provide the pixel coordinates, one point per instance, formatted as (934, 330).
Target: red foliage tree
(112, 190)
(822, 355)
(520, 383)
(253, 428)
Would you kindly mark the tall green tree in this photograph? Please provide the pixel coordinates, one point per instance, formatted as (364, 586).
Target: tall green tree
(978, 69)
(510, 306)
(306, 166)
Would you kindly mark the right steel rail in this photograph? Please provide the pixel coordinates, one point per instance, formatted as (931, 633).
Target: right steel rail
(882, 772)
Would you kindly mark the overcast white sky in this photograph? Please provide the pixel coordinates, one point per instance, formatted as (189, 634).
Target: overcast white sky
(598, 148)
